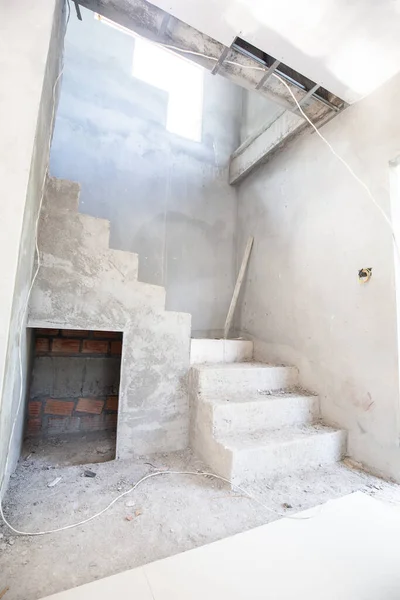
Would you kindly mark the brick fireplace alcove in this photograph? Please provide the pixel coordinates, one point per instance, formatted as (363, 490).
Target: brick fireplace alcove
(75, 383)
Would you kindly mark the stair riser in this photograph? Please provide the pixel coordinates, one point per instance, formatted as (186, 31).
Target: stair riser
(203, 442)
(282, 459)
(220, 351)
(264, 414)
(68, 236)
(125, 263)
(61, 194)
(216, 381)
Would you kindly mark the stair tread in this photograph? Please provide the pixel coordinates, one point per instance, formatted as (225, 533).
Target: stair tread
(213, 341)
(225, 398)
(248, 365)
(264, 438)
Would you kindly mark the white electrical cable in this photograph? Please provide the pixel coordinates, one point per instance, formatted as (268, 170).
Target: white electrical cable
(26, 533)
(213, 475)
(29, 293)
(344, 163)
(25, 309)
(149, 476)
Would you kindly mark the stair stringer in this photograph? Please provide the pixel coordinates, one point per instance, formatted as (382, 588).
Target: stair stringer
(83, 284)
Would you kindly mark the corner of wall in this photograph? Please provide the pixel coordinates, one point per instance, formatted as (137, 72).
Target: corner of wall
(17, 352)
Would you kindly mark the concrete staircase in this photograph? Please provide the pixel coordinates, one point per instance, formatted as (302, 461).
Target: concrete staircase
(249, 421)
(84, 284)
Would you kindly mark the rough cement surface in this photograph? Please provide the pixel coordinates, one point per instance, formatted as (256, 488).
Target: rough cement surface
(30, 45)
(314, 227)
(242, 377)
(80, 286)
(70, 449)
(177, 513)
(246, 432)
(247, 158)
(166, 197)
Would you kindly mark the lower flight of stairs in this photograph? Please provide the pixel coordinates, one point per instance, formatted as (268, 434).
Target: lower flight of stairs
(249, 420)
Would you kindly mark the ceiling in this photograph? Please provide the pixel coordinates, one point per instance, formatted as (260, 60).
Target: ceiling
(349, 47)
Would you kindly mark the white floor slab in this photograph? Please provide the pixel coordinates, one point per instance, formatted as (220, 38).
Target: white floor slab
(129, 584)
(348, 550)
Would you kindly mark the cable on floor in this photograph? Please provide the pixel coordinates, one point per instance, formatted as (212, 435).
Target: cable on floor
(345, 164)
(149, 476)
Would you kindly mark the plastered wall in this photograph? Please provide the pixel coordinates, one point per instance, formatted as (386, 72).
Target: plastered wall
(28, 73)
(314, 228)
(167, 197)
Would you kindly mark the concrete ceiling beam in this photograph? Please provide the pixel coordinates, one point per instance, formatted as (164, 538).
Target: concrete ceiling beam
(149, 21)
(153, 23)
(258, 147)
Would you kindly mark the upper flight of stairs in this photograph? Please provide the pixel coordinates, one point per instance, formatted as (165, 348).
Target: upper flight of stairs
(249, 420)
(75, 250)
(84, 284)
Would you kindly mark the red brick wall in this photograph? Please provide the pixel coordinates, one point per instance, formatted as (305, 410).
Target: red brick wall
(52, 415)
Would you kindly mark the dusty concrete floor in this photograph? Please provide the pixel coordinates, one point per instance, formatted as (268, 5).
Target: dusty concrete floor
(72, 449)
(166, 515)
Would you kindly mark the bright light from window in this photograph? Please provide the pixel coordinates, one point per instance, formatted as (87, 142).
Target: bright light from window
(180, 78)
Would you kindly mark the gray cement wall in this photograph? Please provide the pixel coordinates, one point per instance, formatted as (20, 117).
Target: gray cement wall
(167, 198)
(30, 52)
(314, 228)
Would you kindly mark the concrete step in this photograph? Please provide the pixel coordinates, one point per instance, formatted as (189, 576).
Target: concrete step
(148, 295)
(251, 412)
(220, 351)
(65, 234)
(126, 263)
(262, 455)
(61, 194)
(216, 379)
(95, 232)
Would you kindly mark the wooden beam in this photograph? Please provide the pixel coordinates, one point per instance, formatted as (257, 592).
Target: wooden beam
(239, 281)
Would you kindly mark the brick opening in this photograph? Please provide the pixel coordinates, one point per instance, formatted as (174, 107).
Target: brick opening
(74, 386)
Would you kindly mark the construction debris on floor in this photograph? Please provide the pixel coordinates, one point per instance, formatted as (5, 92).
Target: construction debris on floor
(164, 516)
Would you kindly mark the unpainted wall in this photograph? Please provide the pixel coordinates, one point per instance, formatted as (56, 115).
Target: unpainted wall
(257, 112)
(167, 197)
(74, 383)
(30, 57)
(314, 228)
(84, 285)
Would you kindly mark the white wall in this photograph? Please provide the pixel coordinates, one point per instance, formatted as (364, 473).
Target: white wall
(314, 228)
(350, 48)
(27, 77)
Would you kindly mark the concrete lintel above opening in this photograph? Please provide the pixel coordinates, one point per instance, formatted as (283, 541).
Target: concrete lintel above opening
(256, 148)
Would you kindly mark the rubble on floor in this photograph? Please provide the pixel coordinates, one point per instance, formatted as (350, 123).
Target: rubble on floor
(164, 516)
